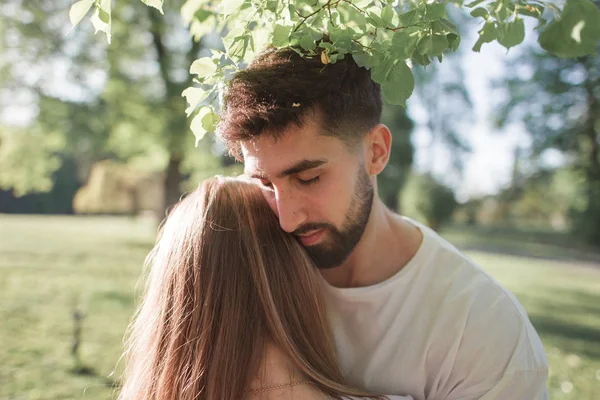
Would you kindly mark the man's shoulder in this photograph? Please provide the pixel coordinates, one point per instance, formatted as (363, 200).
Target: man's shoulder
(458, 279)
(485, 318)
(442, 264)
(460, 288)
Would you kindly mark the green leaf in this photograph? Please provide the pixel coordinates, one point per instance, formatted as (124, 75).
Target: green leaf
(204, 122)
(363, 59)
(387, 14)
(353, 18)
(436, 11)
(154, 3)
(194, 96)
(375, 19)
(327, 46)
(409, 18)
(501, 11)
(576, 33)
(453, 42)
(335, 17)
(432, 45)
(480, 12)
(309, 3)
(234, 35)
(425, 44)
(202, 15)
(101, 18)
(259, 40)
(333, 58)
(229, 6)
(78, 11)
(474, 3)
(237, 42)
(349, 16)
(272, 5)
(443, 26)
(308, 43)
(341, 38)
(306, 37)
(512, 33)
(439, 44)
(380, 71)
(487, 34)
(203, 67)
(104, 16)
(398, 84)
(210, 121)
(281, 35)
(421, 59)
(404, 44)
(362, 3)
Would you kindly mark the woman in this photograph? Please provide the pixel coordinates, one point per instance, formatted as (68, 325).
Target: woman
(232, 308)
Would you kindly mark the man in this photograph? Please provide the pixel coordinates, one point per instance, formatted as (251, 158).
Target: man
(410, 314)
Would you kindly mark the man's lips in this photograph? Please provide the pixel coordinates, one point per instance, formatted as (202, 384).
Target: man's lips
(312, 237)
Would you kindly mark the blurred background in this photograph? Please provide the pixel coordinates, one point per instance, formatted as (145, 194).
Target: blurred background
(499, 152)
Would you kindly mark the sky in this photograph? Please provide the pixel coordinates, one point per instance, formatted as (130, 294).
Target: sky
(488, 168)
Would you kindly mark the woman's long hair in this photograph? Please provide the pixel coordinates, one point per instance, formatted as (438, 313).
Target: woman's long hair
(224, 282)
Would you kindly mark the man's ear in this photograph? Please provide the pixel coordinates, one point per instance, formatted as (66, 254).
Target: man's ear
(378, 146)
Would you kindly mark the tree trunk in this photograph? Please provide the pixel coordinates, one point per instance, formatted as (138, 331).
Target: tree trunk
(592, 211)
(177, 124)
(172, 185)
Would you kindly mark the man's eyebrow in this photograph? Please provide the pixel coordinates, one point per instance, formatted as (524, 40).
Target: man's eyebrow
(301, 166)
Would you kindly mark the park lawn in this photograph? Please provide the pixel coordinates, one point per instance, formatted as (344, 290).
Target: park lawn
(51, 265)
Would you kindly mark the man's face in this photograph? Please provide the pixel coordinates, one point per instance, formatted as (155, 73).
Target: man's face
(317, 187)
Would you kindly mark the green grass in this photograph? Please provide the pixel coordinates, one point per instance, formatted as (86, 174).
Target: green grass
(51, 265)
(48, 267)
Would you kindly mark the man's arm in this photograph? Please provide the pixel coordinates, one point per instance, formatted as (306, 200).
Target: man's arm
(521, 385)
(500, 356)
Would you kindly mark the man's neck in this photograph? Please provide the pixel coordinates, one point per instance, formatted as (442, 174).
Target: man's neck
(387, 245)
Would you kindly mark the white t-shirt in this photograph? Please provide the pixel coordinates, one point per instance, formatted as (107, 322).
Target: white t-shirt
(441, 328)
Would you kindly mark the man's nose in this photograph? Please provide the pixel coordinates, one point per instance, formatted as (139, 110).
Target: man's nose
(289, 209)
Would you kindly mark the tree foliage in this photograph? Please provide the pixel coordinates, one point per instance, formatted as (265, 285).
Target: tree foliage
(564, 116)
(94, 101)
(391, 181)
(385, 36)
(428, 199)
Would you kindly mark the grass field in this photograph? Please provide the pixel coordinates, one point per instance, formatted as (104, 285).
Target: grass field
(51, 266)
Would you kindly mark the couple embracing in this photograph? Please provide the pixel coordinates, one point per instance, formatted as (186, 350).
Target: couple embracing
(296, 282)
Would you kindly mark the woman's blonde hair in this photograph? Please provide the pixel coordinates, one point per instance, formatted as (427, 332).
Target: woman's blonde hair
(224, 282)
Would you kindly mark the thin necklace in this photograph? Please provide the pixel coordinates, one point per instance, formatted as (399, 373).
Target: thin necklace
(283, 385)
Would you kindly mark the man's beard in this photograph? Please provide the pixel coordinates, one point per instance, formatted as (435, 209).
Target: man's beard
(339, 244)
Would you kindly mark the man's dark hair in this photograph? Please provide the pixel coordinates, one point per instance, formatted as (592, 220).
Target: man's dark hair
(280, 88)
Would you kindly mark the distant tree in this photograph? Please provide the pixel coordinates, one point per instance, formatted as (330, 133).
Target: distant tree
(430, 200)
(558, 100)
(95, 102)
(392, 179)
